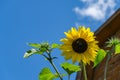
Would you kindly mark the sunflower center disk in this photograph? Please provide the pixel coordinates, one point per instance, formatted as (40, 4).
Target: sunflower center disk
(79, 45)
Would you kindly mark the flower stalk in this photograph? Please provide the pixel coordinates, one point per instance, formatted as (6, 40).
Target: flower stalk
(56, 69)
(50, 59)
(84, 70)
(110, 53)
(106, 66)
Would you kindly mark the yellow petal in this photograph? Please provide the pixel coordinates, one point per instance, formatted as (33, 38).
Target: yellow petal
(74, 32)
(74, 56)
(68, 56)
(79, 57)
(68, 35)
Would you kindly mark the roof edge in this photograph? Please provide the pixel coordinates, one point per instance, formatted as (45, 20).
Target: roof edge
(107, 21)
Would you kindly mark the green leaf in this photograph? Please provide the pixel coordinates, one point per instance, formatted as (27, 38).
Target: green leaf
(46, 74)
(45, 45)
(100, 56)
(117, 48)
(43, 49)
(39, 52)
(113, 41)
(70, 68)
(36, 45)
(29, 53)
(54, 45)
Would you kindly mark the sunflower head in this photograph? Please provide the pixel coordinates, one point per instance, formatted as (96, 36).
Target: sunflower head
(79, 45)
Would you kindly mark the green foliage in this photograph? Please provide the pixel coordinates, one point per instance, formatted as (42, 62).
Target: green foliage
(117, 49)
(100, 56)
(40, 48)
(46, 74)
(113, 41)
(29, 53)
(33, 51)
(36, 45)
(54, 45)
(45, 45)
(70, 68)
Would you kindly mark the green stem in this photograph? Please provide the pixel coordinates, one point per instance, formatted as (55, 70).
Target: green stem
(51, 62)
(111, 52)
(106, 66)
(68, 77)
(84, 72)
(56, 69)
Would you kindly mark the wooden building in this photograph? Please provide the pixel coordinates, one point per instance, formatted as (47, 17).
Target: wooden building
(110, 28)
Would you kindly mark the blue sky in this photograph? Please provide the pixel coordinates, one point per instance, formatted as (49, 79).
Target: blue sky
(23, 21)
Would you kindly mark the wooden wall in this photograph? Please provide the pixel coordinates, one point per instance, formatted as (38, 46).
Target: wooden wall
(113, 72)
(109, 28)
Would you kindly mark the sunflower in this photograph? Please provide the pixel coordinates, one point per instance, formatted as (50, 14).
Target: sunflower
(79, 45)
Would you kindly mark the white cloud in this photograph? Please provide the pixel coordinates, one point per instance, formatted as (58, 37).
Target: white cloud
(96, 10)
(87, 0)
